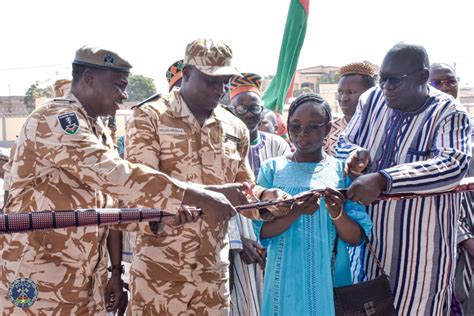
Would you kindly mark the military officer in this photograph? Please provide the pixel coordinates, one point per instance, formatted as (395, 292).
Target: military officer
(63, 160)
(191, 137)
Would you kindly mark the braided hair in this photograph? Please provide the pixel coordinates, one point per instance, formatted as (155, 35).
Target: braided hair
(315, 98)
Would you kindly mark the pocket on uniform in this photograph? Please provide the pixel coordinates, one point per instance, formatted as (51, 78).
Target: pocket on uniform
(231, 151)
(58, 264)
(174, 144)
(63, 244)
(231, 160)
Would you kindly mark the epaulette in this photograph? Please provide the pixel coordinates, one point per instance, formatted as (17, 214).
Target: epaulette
(64, 100)
(149, 99)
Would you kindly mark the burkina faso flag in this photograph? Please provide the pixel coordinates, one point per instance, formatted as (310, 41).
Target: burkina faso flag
(293, 39)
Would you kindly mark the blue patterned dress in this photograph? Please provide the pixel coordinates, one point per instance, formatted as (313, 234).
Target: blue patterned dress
(298, 274)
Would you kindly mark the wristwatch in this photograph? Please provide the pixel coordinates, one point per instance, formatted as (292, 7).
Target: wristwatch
(119, 267)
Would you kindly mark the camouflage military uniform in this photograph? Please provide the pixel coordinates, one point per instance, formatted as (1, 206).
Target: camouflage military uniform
(172, 271)
(54, 169)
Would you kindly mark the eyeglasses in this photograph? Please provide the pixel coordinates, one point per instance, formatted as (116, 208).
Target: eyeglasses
(449, 82)
(395, 80)
(253, 108)
(296, 128)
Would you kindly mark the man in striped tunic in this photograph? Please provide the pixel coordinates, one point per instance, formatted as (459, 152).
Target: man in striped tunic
(409, 137)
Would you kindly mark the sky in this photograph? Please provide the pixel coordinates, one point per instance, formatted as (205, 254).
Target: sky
(39, 38)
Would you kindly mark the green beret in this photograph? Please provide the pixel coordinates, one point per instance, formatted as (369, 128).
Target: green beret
(97, 57)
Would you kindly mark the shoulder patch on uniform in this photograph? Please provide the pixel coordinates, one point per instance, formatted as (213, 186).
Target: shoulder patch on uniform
(69, 123)
(23, 292)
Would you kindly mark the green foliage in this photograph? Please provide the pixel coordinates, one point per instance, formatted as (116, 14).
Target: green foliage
(34, 92)
(298, 92)
(140, 87)
(330, 78)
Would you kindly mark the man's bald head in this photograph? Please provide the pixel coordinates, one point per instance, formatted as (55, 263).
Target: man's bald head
(438, 66)
(443, 77)
(409, 55)
(404, 77)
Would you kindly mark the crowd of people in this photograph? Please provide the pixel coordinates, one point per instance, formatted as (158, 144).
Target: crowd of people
(402, 131)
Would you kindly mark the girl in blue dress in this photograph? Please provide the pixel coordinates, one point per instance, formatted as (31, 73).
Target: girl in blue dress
(300, 272)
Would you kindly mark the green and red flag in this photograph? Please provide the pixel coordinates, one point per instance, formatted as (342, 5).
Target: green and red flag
(293, 39)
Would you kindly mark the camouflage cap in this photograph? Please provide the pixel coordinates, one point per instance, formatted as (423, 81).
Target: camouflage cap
(97, 57)
(212, 57)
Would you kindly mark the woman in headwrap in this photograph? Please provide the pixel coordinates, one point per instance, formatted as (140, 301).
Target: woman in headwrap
(247, 257)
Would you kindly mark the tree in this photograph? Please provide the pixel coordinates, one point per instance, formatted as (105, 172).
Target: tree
(330, 78)
(298, 92)
(140, 87)
(34, 92)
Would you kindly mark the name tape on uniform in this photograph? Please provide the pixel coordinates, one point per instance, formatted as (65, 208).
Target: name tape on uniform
(171, 130)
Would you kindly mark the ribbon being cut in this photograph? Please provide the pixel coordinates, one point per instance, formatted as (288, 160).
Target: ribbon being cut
(31, 221)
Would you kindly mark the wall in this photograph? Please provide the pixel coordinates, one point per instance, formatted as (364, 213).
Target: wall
(10, 127)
